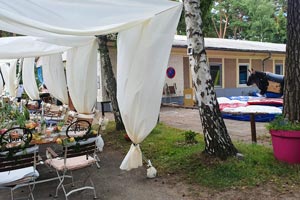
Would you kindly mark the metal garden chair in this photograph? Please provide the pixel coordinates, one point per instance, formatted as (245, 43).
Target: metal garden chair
(76, 155)
(18, 160)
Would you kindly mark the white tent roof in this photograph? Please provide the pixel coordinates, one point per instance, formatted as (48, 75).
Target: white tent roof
(77, 17)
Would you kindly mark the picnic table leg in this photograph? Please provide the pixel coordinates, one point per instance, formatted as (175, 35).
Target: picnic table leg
(253, 128)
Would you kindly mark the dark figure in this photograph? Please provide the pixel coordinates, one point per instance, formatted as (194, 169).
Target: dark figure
(261, 79)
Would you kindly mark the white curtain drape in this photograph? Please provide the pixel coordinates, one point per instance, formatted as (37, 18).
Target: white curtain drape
(26, 46)
(81, 73)
(28, 77)
(12, 78)
(54, 76)
(5, 73)
(142, 61)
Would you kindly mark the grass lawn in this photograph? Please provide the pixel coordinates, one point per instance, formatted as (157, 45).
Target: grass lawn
(167, 149)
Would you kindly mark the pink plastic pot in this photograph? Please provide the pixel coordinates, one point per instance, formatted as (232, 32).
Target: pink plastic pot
(286, 145)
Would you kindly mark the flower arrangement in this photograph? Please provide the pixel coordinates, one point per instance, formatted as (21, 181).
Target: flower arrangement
(11, 115)
(58, 127)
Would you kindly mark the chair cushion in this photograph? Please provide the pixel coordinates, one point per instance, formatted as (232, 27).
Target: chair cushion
(17, 176)
(71, 163)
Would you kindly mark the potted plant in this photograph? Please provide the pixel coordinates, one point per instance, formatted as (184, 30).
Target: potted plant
(285, 139)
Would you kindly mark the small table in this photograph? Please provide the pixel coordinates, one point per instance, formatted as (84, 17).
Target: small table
(252, 121)
(102, 107)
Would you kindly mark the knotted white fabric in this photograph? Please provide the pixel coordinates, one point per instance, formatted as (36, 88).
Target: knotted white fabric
(141, 76)
(151, 171)
(29, 81)
(12, 78)
(82, 76)
(99, 143)
(54, 76)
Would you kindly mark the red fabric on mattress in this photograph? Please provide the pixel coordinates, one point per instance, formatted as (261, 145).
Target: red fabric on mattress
(231, 105)
(266, 101)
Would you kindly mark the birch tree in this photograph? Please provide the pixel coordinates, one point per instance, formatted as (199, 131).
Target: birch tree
(217, 141)
(110, 84)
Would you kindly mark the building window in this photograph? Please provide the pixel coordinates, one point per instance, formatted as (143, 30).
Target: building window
(243, 74)
(216, 74)
(279, 69)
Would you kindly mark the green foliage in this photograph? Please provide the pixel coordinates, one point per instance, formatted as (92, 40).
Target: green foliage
(5, 34)
(281, 123)
(190, 137)
(61, 123)
(205, 7)
(26, 113)
(262, 23)
(165, 147)
(258, 20)
(10, 116)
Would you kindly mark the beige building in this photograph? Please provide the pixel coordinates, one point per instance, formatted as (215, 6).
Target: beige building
(229, 61)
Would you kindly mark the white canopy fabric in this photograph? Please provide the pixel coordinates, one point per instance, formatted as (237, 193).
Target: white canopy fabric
(26, 46)
(46, 18)
(140, 78)
(54, 76)
(12, 78)
(5, 73)
(81, 73)
(146, 29)
(28, 77)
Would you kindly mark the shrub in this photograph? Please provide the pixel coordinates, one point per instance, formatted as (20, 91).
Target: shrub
(190, 137)
(281, 123)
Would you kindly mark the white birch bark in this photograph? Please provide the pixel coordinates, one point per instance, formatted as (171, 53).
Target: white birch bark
(217, 140)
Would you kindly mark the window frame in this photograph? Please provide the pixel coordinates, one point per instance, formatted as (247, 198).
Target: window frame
(281, 68)
(221, 73)
(239, 75)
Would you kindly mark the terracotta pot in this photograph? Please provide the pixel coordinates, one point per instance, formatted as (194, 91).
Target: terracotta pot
(286, 145)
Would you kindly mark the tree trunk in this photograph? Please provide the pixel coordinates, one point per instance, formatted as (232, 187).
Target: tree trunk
(109, 80)
(291, 107)
(217, 140)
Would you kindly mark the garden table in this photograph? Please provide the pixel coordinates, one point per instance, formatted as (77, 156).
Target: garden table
(252, 121)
